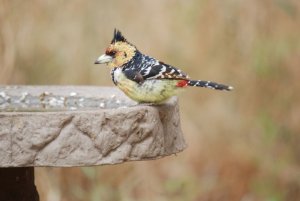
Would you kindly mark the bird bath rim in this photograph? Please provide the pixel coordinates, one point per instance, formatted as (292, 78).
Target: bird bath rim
(33, 99)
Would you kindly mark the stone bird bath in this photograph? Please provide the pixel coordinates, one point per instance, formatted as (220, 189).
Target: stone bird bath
(67, 126)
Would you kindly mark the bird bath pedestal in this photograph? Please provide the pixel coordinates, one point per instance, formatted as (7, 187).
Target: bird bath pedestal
(67, 126)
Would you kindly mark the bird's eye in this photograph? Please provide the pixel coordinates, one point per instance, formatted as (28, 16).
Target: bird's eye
(125, 54)
(111, 53)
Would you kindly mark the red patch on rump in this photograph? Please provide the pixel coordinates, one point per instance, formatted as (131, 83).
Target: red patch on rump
(182, 83)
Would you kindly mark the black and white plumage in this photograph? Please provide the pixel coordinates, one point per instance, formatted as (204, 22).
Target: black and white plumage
(143, 78)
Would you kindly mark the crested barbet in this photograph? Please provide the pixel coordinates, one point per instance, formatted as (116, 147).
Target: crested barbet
(143, 78)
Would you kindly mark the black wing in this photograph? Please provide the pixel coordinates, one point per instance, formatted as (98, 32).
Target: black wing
(154, 70)
(161, 70)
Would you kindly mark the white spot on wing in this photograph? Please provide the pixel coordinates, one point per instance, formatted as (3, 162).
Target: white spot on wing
(162, 70)
(147, 71)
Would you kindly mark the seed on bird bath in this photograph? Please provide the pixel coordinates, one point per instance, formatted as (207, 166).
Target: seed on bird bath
(3, 94)
(52, 101)
(43, 95)
(102, 105)
(23, 96)
(73, 94)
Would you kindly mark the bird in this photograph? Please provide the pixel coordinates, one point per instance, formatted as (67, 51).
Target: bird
(143, 78)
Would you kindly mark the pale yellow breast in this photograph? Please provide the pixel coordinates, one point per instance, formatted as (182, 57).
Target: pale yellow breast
(150, 91)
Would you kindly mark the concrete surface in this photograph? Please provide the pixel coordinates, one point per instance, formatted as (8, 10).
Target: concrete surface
(89, 136)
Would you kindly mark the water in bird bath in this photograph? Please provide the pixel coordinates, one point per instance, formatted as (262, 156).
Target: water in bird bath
(45, 101)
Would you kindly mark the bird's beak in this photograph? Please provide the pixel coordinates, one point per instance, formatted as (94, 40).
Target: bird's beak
(103, 59)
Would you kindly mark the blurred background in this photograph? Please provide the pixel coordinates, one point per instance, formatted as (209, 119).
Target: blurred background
(243, 145)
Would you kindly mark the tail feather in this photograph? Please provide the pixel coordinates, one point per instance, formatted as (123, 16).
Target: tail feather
(209, 84)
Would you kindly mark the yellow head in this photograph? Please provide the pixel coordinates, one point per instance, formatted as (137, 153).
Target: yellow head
(118, 53)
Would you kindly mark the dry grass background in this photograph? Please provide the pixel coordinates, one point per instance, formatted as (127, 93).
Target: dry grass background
(243, 145)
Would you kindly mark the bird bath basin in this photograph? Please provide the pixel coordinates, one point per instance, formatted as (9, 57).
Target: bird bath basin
(78, 125)
(67, 126)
